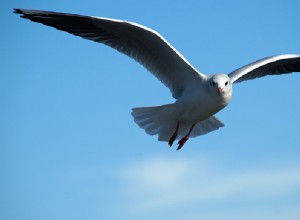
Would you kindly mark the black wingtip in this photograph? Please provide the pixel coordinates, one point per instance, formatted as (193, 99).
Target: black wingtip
(23, 13)
(18, 11)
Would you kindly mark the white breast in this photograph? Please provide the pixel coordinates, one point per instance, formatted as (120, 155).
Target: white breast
(200, 103)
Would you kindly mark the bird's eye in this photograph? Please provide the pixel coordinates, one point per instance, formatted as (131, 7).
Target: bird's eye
(226, 83)
(213, 83)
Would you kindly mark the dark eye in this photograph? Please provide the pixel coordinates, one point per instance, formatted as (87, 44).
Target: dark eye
(213, 83)
(226, 83)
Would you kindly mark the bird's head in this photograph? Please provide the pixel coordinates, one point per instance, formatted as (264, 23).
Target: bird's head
(220, 84)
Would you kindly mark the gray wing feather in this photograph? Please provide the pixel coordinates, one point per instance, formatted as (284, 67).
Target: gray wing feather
(274, 65)
(138, 42)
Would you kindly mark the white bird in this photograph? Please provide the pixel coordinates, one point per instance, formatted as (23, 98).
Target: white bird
(198, 96)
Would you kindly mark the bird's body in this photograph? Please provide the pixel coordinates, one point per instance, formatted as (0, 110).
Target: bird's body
(199, 101)
(198, 96)
(194, 108)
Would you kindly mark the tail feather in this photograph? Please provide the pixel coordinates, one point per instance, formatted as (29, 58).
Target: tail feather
(167, 130)
(162, 121)
(206, 126)
(155, 120)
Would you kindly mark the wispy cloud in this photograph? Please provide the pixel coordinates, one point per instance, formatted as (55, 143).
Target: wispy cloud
(157, 184)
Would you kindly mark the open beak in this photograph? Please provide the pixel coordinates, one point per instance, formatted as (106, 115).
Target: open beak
(220, 90)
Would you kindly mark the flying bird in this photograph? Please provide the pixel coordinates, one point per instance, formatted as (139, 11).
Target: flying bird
(198, 96)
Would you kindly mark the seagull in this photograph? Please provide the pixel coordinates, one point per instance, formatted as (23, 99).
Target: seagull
(198, 96)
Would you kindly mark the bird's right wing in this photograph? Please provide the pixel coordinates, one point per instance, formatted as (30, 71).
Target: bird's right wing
(144, 45)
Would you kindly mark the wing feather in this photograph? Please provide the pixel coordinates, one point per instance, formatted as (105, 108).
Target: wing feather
(274, 65)
(144, 45)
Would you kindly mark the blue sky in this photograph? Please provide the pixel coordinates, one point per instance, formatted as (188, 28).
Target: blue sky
(69, 146)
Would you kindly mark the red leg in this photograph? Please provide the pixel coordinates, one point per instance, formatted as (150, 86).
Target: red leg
(172, 139)
(185, 138)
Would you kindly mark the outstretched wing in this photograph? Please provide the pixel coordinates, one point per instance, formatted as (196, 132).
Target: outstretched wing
(274, 65)
(144, 45)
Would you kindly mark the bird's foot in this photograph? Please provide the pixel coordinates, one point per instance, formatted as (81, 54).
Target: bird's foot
(182, 142)
(174, 136)
(172, 139)
(185, 138)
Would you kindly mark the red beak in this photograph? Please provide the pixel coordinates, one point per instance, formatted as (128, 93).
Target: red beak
(220, 90)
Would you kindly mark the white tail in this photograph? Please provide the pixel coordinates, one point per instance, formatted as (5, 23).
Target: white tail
(162, 120)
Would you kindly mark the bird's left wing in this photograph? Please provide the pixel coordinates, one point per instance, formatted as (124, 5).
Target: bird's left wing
(274, 65)
(144, 45)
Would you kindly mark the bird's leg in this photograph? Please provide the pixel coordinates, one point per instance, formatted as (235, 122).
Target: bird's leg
(172, 139)
(185, 138)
